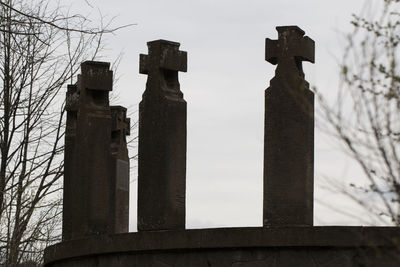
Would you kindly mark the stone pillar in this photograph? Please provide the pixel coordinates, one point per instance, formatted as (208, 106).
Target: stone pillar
(95, 181)
(289, 132)
(162, 139)
(120, 128)
(71, 184)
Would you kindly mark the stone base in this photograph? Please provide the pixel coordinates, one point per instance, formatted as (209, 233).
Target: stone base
(280, 246)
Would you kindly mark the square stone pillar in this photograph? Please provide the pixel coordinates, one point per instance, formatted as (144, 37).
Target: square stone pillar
(289, 132)
(96, 179)
(162, 140)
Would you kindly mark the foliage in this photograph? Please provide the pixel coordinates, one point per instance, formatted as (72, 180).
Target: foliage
(365, 116)
(41, 48)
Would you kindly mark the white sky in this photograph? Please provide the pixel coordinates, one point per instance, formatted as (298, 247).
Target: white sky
(224, 89)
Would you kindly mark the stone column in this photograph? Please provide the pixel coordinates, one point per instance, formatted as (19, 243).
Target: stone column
(289, 132)
(120, 128)
(71, 184)
(95, 182)
(162, 140)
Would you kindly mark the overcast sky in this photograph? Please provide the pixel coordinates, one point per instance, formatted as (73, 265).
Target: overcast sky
(224, 88)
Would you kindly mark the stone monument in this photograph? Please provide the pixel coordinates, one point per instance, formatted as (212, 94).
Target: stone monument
(120, 128)
(289, 132)
(162, 140)
(96, 178)
(287, 238)
(71, 183)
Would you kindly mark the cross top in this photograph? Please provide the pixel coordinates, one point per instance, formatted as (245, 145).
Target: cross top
(162, 65)
(120, 123)
(97, 75)
(291, 46)
(72, 101)
(163, 55)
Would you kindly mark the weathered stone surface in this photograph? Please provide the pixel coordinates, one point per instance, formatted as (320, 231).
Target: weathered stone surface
(28, 264)
(258, 246)
(94, 144)
(95, 203)
(289, 132)
(162, 140)
(71, 182)
(120, 128)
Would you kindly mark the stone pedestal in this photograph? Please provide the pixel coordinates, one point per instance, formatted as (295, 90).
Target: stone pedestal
(235, 247)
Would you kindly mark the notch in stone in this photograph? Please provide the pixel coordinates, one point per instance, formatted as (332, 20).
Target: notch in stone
(289, 132)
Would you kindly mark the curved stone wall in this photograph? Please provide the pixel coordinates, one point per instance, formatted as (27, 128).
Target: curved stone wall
(281, 246)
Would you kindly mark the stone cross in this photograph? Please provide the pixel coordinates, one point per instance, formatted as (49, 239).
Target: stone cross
(120, 128)
(289, 132)
(92, 201)
(162, 65)
(163, 55)
(70, 179)
(121, 125)
(162, 140)
(291, 48)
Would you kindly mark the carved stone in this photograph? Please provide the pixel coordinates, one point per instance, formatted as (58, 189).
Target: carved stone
(94, 146)
(162, 140)
(162, 239)
(71, 182)
(289, 132)
(120, 128)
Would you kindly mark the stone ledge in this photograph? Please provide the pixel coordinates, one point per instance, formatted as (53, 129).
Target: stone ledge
(219, 238)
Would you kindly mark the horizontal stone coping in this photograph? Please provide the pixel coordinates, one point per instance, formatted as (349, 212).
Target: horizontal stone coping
(220, 238)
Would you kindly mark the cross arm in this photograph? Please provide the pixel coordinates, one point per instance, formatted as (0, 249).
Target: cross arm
(271, 51)
(97, 75)
(119, 120)
(307, 48)
(291, 43)
(163, 55)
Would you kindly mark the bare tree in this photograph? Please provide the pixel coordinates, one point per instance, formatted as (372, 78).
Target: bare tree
(365, 116)
(41, 47)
